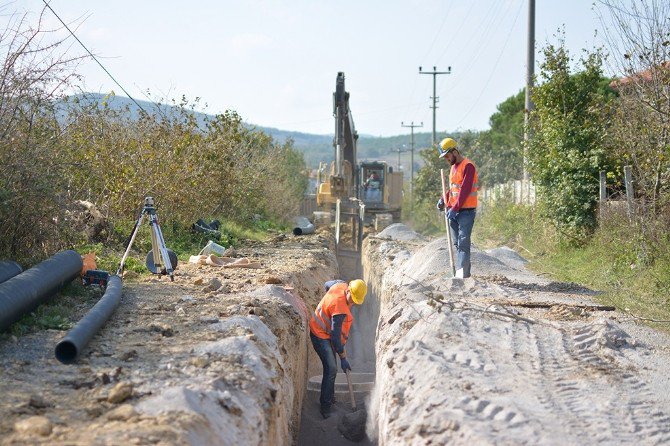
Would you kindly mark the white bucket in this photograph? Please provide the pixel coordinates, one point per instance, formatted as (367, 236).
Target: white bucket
(213, 248)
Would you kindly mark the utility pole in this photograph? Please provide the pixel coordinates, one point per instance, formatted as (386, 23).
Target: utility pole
(434, 97)
(399, 151)
(530, 71)
(411, 142)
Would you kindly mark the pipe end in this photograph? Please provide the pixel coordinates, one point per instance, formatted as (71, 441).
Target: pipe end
(66, 352)
(297, 231)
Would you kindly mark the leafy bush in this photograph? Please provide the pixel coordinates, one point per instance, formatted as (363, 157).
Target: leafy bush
(567, 150)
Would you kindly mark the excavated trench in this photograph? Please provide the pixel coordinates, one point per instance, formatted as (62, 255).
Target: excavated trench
(347, 425)
(437, 360)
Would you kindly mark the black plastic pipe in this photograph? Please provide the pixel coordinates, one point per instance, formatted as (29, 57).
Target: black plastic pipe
(303, 226)
(69, 348)
(9, 269)
(23, 293)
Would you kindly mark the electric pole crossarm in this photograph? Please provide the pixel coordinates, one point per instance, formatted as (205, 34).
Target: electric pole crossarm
(434, 73)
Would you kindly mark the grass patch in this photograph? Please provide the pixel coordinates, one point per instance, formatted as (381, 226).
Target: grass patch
(63, 311)
(633, 274)
(60, 312)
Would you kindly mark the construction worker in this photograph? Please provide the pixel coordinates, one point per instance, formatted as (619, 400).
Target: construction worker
(329, 330)
(372, 187)
(461, 202)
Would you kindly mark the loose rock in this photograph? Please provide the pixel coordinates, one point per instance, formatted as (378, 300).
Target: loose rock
(34, 425)
(121, 413)
(120, 393)
(213, 285)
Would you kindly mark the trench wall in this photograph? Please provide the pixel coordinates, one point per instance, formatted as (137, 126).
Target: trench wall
(248, 380)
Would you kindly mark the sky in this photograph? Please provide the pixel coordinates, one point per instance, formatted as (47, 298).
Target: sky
(275, 61)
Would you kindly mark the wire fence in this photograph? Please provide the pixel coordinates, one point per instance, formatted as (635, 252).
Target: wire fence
(524, 192)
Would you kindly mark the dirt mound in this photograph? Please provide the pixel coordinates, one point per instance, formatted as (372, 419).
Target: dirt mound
(460, 362)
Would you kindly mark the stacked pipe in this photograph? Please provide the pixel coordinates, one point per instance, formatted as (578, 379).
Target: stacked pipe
(9, 269)
(69, 348)
(24, 292)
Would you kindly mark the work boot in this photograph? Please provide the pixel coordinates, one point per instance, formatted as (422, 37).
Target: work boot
(326, 412)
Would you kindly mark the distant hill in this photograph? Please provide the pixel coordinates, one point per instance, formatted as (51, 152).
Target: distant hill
(315, 148)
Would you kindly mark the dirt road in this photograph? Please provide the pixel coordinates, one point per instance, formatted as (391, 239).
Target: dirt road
(463, 362)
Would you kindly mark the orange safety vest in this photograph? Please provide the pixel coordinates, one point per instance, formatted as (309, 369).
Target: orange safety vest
(334, 302)
(456, 176)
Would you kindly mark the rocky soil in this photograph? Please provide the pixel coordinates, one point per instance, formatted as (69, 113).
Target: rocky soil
(217, 357)
(505, 357)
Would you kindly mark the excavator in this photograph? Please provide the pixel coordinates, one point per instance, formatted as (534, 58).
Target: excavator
(358, 193)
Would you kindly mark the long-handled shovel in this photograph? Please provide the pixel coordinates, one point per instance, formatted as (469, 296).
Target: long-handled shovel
(351, 391)
(446, 223)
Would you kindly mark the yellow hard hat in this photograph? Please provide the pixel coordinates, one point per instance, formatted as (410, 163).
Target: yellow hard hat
(358, 290)
(446, 145)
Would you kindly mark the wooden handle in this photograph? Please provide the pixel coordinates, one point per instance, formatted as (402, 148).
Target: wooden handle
(444, 188)
(446, 224)
(351, 391)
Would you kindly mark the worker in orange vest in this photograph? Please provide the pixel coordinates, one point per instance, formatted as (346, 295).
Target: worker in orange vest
(329, 329)
(461, 202)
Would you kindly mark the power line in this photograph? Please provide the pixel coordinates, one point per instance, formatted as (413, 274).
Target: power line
(92, 56)
(482, 44)
(493, 71)
(412, 126)
(437, 34)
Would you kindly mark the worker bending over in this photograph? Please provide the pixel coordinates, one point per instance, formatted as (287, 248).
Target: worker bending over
(329, 330)
(461, 202)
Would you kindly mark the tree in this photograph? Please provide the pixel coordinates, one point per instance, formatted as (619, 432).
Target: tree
(34, 69)
(638, 34)
(568, 150)
(498, 152)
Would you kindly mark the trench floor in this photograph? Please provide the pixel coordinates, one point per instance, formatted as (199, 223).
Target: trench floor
(314, 429)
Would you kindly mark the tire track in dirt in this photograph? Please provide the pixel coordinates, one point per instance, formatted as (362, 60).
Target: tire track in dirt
(632, 395)
(589, 393)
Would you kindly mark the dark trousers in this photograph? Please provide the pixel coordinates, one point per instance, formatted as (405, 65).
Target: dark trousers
(461, 230)
(325, 351)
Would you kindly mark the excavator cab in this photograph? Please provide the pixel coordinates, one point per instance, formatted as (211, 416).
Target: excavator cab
(381, 188)
(373, 185)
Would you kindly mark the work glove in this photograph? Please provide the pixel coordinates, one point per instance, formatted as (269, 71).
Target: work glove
(452, 214)
(440, 204)
(345, 364)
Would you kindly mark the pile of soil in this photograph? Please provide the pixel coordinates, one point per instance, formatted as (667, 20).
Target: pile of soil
(458, 361)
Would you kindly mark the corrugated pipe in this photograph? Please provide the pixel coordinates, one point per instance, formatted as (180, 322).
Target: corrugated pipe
(69, 348)
(23, 293)
(9, 269)
(303, 226)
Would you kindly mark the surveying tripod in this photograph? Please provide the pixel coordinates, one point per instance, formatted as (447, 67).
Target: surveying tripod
(165, 261)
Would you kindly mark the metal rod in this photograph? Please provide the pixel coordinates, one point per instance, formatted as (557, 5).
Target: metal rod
(446, 223)
(23, 293)
(70, 347)
(119, 271)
